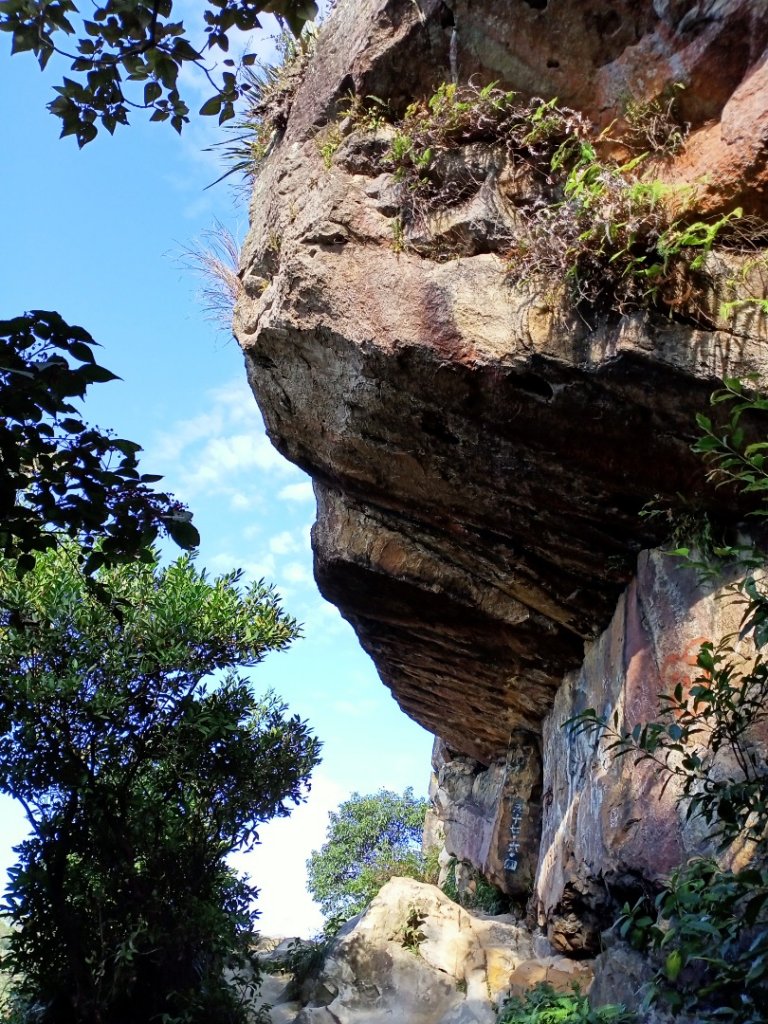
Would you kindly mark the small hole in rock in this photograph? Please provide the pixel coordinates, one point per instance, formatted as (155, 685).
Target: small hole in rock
(532, 384)
(537, 5)
(553, 63)
(347, 86)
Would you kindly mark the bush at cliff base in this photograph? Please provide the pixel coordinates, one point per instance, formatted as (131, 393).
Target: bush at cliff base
(543, 1005)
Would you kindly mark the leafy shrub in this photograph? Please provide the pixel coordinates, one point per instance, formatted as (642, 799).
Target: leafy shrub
(543, 1005)
(479, 895)
(653, 125)
(709, 930)
(302, 959)
(455, 116)
(602, 226)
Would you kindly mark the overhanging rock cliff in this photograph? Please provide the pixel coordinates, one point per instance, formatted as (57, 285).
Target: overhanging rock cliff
(480, 450)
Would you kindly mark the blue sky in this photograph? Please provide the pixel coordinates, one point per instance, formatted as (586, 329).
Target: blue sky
(98, 235)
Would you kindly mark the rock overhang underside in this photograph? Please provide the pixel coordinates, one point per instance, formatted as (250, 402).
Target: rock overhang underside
(481, 451)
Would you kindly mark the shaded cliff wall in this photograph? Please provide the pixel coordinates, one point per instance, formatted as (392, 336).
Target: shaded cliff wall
(480, 451)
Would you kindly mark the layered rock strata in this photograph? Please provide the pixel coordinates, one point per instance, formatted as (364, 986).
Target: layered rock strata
(480, 452)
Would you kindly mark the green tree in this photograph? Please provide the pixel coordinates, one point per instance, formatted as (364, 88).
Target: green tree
(139, 771)
(128, 54)
(57, 475)
(369, 840)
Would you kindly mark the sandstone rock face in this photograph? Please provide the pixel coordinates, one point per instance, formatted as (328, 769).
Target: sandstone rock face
(609, 822)
(491, 817)
(480, 452)
(473, 446)
(414, 956)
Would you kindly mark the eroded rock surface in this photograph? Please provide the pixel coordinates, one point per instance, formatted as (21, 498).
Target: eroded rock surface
(609, 823)
(415, 956)
(490, 816)
(481, 452)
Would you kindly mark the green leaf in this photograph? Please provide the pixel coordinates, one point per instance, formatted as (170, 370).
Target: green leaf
(211, 106)
(96, 374)
(152, 91)
(181, 530)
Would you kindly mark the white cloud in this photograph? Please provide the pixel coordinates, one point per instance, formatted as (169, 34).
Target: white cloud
(222, 450)
(323, 621)
(169, 446)
(236, 397)
(278, 865)
(240, 502)
(285, 543)
(297, 492)
(229, 456)
(297, 572)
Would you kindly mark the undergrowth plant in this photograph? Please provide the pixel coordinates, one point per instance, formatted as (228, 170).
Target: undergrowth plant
(708, 927)
(411, 934)
(654, 126)
(604, 227)
(455, 116)
(269, 89)
(480, 895)
(609, 235)
(302, 959)
(543, 1005)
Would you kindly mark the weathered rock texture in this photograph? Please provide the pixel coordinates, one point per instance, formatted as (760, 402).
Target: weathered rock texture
(609, 823)
(480, 453)
(416, 956)
(491, 816)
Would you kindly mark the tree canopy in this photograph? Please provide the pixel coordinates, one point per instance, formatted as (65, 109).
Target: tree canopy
(139, 772)
(369, 839)
(60, 476)
(128, 54)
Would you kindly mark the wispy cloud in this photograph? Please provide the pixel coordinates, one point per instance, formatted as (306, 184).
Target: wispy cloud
(286, 542)
(297, 573)
(224, 451)
(297, 492)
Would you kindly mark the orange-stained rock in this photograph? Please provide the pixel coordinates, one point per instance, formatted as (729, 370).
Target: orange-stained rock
(481, 453)
(559, 972)
(609, 822)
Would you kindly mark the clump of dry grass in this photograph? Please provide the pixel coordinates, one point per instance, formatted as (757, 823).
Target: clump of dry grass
(215, 258)
(269, 89)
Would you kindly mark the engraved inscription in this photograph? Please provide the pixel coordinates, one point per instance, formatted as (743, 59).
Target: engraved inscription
(513, 849)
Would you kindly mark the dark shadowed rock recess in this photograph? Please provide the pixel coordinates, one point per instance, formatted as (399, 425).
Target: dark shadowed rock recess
(481, 451)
